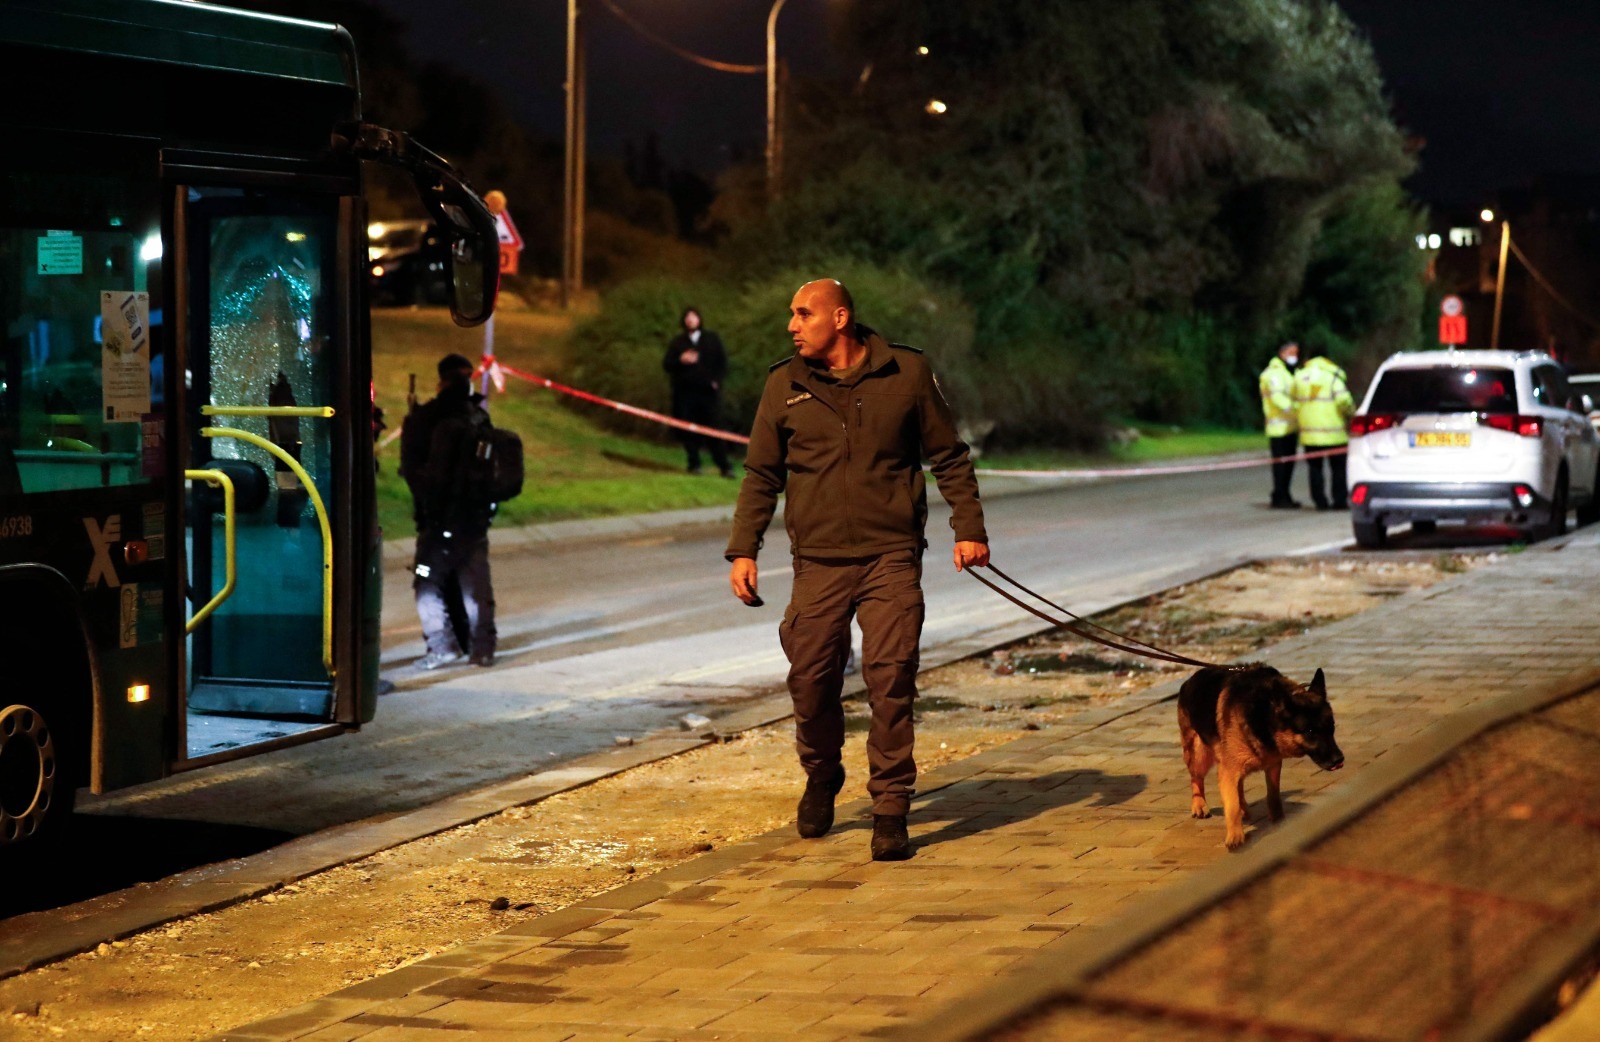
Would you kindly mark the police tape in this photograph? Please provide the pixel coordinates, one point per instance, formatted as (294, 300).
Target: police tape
(622, 407)
(494, 369)
(1205, 467)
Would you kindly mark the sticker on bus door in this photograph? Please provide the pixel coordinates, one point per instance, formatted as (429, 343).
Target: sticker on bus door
(125, 355)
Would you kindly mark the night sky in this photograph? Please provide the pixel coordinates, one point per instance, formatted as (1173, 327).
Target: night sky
(1500, 90)
(701, 116)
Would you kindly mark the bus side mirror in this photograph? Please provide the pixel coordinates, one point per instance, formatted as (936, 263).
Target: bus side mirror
(459, 213)
(474, 247)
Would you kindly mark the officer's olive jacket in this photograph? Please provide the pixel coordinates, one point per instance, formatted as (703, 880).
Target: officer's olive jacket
(848, 458)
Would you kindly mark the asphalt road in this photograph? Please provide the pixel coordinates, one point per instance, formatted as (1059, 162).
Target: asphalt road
(619, 638)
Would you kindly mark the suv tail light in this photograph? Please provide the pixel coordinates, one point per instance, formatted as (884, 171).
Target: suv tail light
(1522, 426)
(1358, 495)
(1363, 425)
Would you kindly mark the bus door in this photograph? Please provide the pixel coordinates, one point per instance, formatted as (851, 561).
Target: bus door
(268, 304)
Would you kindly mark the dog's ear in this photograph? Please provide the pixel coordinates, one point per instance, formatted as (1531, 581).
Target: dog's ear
(1319, 684)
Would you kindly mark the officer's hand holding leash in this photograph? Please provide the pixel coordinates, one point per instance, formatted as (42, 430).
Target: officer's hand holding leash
(969, 554)
(742, 577)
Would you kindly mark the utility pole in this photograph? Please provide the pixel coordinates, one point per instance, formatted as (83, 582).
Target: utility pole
(573, 183)
(774, 138)
(1500, 283)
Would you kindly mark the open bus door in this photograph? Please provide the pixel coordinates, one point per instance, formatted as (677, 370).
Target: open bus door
(270, 350)
(281, 543)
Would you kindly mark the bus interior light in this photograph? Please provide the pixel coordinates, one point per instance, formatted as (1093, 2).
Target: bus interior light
(138, 692)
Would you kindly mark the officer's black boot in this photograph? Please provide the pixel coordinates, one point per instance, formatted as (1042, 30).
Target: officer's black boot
(889, 839)
(814, 817)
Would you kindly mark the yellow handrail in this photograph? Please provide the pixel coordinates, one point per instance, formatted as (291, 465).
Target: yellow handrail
(322, 519)
(220, 480)
(315, 411)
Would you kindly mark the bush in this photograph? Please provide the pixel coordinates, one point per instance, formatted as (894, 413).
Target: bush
(618, 353)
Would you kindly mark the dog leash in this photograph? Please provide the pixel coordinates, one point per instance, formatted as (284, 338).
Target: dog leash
(1080, 627)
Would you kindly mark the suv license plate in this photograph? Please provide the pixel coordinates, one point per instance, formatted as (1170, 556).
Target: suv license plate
(1442, 440)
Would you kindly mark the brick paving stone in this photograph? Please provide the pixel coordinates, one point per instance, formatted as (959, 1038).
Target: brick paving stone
(1024, 845)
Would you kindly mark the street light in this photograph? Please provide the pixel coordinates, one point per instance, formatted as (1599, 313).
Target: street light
(1500, 279)
(774, 143)
(1486, 215)
(572, 189)
(935, 107)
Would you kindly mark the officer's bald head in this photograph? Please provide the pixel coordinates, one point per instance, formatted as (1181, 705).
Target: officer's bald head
(828, 295)
(821, 313)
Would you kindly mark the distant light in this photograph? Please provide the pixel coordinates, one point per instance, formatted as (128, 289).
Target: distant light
(923, 50)
(1434, 241)
(1422, 242)
(295, 236)
(376, 229)
(1487, 214)
(374, 252)
(935, 107)
(139, 692)
(1470, 376)
(151, 250)
(377, 271)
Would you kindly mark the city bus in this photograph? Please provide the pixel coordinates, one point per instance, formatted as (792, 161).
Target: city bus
(189, 556)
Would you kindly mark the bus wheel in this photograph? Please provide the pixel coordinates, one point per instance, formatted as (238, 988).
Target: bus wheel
(35, 793)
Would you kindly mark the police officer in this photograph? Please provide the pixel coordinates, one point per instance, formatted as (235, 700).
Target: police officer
(452, 528)
(1277, 406)
(1323, 407)
(842, 429)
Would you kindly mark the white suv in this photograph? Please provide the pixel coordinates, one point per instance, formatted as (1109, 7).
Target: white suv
(1471, 436)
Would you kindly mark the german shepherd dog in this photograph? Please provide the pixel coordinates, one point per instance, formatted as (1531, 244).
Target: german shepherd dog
(1251, 718)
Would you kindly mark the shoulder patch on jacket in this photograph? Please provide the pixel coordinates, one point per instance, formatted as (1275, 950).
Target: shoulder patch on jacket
(797, 399)
(780, 363)
(907, 347)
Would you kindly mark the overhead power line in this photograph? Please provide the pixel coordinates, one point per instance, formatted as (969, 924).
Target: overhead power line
(1545, 284)
(661, 41)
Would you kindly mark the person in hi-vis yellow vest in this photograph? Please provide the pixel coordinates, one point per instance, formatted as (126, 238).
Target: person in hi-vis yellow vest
(1277, 406)
(1323, 407)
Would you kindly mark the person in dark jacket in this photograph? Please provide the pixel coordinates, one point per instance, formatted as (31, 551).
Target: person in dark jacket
(697, 365)
(842, 429)
(452, 529)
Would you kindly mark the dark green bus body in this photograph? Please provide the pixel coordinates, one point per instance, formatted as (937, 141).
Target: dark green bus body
(172, 171)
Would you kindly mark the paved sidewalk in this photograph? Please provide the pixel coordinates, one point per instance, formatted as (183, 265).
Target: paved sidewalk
(1038, 840)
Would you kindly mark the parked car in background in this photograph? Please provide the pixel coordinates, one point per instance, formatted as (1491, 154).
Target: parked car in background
(1474, 436)
(408, 263)
(1588, 385)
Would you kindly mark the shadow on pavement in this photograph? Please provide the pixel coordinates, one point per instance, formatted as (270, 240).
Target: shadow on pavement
(101, 853)
(969, 808)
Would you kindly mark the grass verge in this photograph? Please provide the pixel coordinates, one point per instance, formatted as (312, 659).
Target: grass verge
(578, 468)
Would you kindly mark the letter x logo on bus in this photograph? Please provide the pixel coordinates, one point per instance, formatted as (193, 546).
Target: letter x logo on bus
(103, 538)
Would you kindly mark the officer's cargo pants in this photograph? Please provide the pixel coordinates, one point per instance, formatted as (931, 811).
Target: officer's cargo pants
(886, 591)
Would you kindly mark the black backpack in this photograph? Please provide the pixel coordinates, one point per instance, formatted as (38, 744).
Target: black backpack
(484, 461)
